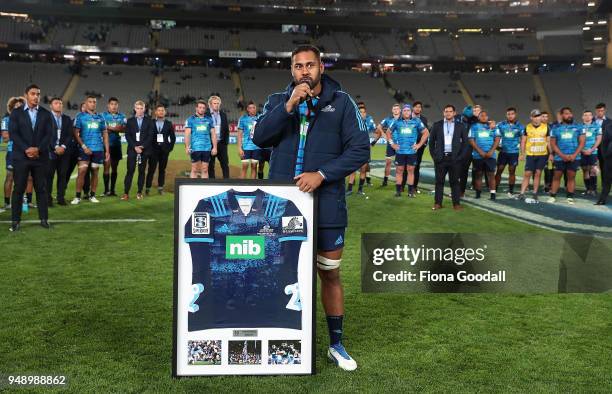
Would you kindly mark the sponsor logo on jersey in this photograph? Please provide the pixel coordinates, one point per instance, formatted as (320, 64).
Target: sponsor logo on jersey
(266, 230)
(200, 223)
(292, 224)
(244, 247)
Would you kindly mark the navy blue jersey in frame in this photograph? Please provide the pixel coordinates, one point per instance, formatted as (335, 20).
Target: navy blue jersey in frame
(245, 249)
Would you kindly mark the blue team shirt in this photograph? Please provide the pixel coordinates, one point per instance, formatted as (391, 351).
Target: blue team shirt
(201, 127)
(114, 120)
(5, 127)
(92, 128)
(484, 137)
(406, 133)
(370, 124)
(387, 123)
(510, 136)
(246, 123)
(234, 289)
(567, 137)
(591, 132)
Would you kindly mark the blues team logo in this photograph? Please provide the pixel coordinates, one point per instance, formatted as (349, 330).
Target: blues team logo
(200, 223)
(293, 224)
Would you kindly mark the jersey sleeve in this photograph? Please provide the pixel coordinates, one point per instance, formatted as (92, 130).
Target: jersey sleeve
(471, 133)
(188, 124)
(420, 126)
(553, 133)
(294, 226)
(199, 228)
(496, 132)
(4, 126)
(77, 122)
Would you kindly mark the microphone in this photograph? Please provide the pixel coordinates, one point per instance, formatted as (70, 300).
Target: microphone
(308, 100)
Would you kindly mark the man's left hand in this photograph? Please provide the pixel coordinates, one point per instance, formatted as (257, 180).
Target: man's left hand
(59, 151)
(309, 181)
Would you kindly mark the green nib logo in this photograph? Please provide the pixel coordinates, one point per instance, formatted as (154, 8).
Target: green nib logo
(237, 247)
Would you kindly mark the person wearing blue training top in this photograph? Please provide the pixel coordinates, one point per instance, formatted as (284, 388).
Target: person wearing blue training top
(115, 125)
(13, 103)
(363, 171)
(566, 140)
(511, 131)
(319, 138)
(407, 136)
(381, 130)
(588, 162)
(484, 141)
(200, 140)
(249, 153)
(92, 137)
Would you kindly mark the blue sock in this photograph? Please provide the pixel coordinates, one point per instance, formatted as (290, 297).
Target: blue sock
(398, 188)
(334, 325)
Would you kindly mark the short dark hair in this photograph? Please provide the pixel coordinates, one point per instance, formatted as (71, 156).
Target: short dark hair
(200, 101)
(600, 105)
(251, 103)
(361, 104)
(450, 106)
(510, 109)
(160, 106)
(306, 48)
(417, 103)
(55, 99)
(113, 99)
(587, 111)
(90, 96)
(30, 87)
(563, 109)
(544, 113)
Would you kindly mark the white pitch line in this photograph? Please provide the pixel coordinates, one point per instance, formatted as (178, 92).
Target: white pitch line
(87, 221)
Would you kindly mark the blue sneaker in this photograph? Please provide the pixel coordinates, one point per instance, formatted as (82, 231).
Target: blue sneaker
(338, 355)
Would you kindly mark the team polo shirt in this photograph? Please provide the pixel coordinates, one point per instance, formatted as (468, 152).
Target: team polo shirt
(92, 128)
(5, 127)
(201, 127)
(114, 120)
(567, 137)
(405, 133)
(591, 132)
(370, 124)
(511, 134)
(484, 137)
(246, 124)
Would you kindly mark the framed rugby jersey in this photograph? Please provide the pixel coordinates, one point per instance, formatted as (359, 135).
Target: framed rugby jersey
(244, 277)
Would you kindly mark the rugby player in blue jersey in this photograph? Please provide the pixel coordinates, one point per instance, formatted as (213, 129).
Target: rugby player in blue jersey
(511, 132)
(200, 140)
(382, 130)
(407, 135)
(567, 141)
(13, 103)
(588, 162)
(115, 124)
(249, 153)
(484, 141)
(363, 171)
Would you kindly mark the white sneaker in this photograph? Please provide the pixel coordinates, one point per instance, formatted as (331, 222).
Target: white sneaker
(570, 201)
(2, 210)
(75, 201)
(510, 195)
(93, 199)
(338, 355)
(551, 200)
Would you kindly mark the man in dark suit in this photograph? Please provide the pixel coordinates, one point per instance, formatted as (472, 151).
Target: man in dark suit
(222, 130)
(605, 152)
(449, 148)
(162, 145)
(139, 133)
(602, 120)
(59, 160)
(31, 130)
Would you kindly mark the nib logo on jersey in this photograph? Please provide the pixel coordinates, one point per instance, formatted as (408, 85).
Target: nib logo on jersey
(245, 247)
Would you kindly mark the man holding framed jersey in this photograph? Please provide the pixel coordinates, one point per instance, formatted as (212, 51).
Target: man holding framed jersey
(315, 116)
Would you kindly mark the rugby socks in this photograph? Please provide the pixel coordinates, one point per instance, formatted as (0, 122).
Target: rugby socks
(404, 180)
(493, 194)
(334, 325)
(106, 180)
(385, 180)
(78, 194)
(511, 188)
(113, 181)
(259, 175)
(570, 195)
(361, 182)
(350, 187)
(398, 188)
(29, 197)
(92, 194)
(368, 178)
(410, 189)
(478, 193)
(7, 200)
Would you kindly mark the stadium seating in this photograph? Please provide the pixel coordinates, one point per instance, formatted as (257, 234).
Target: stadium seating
(52, 79)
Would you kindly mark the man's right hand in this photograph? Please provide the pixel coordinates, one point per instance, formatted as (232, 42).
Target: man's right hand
(241, 153)
(87, 151)
(300, 93)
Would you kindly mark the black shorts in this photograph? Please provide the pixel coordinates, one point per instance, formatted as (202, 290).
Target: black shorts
(487, 165)
(533, 163)
(115, 152)
(588, 160)
(567, 165)
(510, 159)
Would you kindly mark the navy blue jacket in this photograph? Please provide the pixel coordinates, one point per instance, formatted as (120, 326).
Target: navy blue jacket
(337, 144)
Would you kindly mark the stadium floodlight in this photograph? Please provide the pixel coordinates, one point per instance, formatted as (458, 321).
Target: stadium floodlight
(597, 59)
(591, 4)
(586, 64)
(602, 22)
(597, 38)
(585, 28)
(68, 56)
(589, 23)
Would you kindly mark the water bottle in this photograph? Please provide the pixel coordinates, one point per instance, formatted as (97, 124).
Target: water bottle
(25, 208)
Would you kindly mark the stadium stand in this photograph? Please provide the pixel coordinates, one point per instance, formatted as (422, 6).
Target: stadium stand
(52, 79)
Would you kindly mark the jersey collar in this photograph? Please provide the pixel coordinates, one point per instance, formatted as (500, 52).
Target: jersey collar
(233, 202)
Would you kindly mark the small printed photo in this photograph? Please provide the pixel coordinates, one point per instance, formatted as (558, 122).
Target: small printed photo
(207, 352)
(285, 352)
(244, 352)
